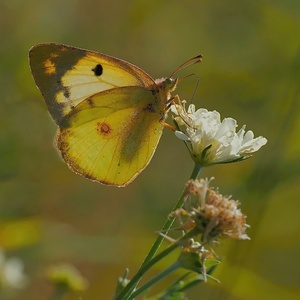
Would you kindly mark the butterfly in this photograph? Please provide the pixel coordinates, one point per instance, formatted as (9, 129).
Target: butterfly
(110, 113)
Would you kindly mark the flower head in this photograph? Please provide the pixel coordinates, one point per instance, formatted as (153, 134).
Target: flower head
(205, 217)
(212, 215)
(211, 141)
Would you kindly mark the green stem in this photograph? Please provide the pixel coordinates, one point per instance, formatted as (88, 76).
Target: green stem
(125, 294)
(168, 224)
(60, 291)
(155, 279)
(196, 172)
(145, 267)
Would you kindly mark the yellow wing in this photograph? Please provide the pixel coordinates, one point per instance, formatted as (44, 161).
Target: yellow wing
(111, 136)
(109, 112)
(66, 75)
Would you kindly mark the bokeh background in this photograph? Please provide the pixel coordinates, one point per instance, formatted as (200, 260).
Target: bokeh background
(250, 71)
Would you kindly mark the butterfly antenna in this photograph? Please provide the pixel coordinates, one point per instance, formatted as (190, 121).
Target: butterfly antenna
(197, 84)
(189, 62)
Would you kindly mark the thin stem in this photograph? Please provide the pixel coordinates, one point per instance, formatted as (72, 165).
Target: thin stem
(125, 294)
(59, 292)
(155, 279)
(168, 224)
(196, 172)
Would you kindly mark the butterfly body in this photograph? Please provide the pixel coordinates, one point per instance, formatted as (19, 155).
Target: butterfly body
(109, 112)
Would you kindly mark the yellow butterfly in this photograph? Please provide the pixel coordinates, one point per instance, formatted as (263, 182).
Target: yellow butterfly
(109, 112)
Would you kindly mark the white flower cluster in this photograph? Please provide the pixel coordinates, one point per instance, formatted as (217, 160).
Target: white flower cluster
(211, 141)
(12, 272)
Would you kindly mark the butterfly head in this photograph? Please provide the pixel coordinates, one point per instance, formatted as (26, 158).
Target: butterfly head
(169, 84)
(166, 86)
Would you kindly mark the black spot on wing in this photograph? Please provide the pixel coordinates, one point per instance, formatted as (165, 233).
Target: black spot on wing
(98, 70)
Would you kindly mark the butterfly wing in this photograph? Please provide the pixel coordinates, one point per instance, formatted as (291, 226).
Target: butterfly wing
(111, 136)
(66, 75)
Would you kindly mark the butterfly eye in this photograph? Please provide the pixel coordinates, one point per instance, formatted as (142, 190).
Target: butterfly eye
(171, 83)
(98, 70)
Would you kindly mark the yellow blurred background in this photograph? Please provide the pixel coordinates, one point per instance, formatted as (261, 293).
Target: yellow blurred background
(250, 71)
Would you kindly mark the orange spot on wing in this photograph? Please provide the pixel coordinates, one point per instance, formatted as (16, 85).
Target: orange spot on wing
(50, 67)
(104, 129)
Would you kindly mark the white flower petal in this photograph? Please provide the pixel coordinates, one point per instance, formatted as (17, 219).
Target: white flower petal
(205, 131)
(181, 135)
(191, 109)
(253, 145)
(173, 109)
(248, 136)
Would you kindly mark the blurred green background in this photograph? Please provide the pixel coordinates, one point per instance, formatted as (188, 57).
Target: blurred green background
(250, 71)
